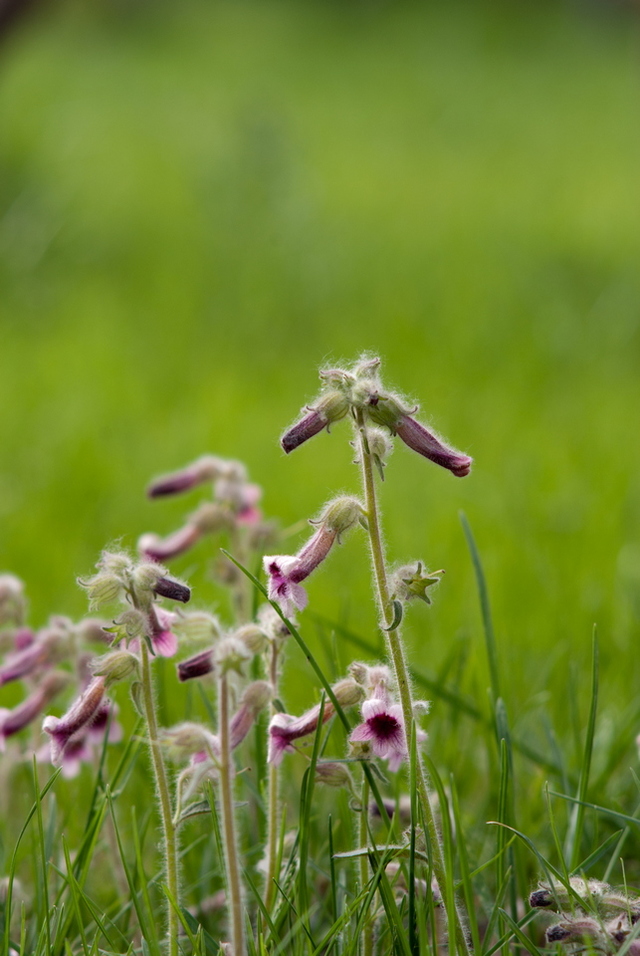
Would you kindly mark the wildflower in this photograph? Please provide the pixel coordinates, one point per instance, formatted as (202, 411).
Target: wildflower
(163, 549)
(426, 443)
(361, 390)
(163, 639)
(76, 752)
(231, 654)
(49, 646)
(79, 715)
(286, 571)
(329, 408)
(204, 469)
(188, 739)
(196, 666)
(383, 728)
(284, 728)
(13, 721)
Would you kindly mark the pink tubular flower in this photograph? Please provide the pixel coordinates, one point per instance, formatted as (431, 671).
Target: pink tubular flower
(206, 468)
(13, 721)
(420, 439)
(383, 727)
(79, 716)
(163, 549)
(330, 407)
(196, 666)
(286, 571)
(284, 729)
(164, 641)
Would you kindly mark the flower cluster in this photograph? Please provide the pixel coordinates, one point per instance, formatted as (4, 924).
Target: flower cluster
(137, 586)
(48, 661)
(360, 390)
(381, 733)
(592, 914)
(234, 504)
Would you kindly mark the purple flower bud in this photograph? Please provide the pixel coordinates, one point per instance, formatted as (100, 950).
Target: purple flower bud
(79, 715)
(312, 424)
(196, 666)
(420, 439)
(174, 590)
(206, 468)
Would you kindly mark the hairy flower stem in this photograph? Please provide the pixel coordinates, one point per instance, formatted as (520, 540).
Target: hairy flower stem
(226, 773)
(162, 784)
(272, 799)
(396, 653)
(363, 841)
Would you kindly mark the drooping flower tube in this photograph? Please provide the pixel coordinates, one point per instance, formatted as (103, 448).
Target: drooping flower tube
(286, 571)
(285, 729)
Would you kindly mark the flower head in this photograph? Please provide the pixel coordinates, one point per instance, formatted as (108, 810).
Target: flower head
(383, 728)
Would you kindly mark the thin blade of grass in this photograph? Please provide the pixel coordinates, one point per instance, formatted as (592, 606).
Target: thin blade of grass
(447, 892)
(142, 920)
(14, 857)
(528, 944)
(463, 858)
(43, 853)
(483, 594)
(576, 824)
(73, 893)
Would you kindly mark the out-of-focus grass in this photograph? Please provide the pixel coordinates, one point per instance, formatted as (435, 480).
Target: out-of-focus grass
(200, 203)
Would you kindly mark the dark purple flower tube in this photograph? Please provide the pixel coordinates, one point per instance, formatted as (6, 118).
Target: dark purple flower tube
(312, 424)
(330, 407)
(174, 590)
(204, 469)
(196, 666)
(420, 439)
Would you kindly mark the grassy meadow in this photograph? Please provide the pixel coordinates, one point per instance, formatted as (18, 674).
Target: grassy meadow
(203, 203)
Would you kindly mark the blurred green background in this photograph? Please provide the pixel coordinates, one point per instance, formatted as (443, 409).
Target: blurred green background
(201, 203)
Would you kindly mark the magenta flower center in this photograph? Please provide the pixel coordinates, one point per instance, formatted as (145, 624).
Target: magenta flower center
(384, 726)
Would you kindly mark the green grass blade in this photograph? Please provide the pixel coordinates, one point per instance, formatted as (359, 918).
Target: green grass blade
(529, 945)
(574, 835)
(73, 892)
(483, 594)
(463, 858)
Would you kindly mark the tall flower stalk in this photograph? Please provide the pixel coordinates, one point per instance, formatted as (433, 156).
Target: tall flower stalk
(227, 775)
(395, 648)
(169, 826)
(379, 415)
